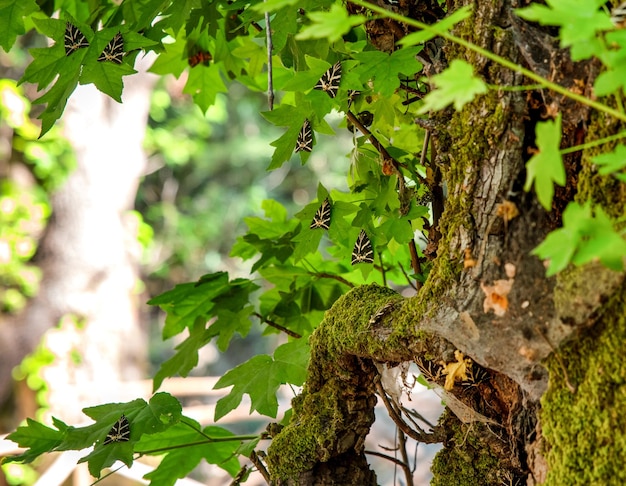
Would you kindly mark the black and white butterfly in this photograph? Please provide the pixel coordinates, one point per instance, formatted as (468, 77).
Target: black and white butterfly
(114, 50)
(329, 81)
(74, 39)
(322, 216)
(362, 251)
(305, 138)
(120, 432)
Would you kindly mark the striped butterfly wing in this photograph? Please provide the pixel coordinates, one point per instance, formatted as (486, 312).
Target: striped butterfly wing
(120, 432)
(329, 82)
(74, 39)
(305, 138)
(363, 252)
(322, 216)
(114, 50)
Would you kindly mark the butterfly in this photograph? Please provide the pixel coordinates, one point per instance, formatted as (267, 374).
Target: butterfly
(120, 432)
(362, 251)
(329, 81)
(114, 50)
(305, 138)
(352, 94)
(322, 216)
(74, 39)
(203, 57)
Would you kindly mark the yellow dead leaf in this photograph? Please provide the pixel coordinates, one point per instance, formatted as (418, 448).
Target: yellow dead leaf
(456, 370)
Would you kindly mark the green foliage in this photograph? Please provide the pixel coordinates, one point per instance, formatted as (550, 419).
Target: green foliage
(12, 13)
(545, 168)
(260, 378)
(580, 21)
(586, 235)
(331, 25)
(613, 162)
(442, 26)
(190, 306)
(299, 272)
(457, 85)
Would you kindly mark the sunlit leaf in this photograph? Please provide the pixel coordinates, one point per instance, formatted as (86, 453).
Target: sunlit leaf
(545, 168)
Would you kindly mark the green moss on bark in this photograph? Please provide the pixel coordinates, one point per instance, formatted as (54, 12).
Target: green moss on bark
(604, 190)
(586, 430)
(333, 414)
(466, 460)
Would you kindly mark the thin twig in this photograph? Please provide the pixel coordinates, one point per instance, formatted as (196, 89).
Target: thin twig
(334, 277)
(405, 458)
(270, 81)
(406, 275)
(275, 325)
(237, 479)
(418, 416)
(405, 467)
(260, 467)
(374, 141)
(415, 263)
(418, 435)
(111, 472)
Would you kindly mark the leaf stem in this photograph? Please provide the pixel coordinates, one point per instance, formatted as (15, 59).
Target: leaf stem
(593, 143)
(275, 325)
(198, 443)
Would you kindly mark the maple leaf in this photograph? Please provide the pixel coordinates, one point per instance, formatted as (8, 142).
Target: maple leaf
(456, 370)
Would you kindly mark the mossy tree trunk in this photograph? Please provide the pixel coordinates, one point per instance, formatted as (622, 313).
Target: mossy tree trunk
(498, 309)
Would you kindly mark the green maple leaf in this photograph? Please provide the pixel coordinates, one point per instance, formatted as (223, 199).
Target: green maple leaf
(186, 357)
(457, 85)
(331, 25)
(613, 162)
(182, 458)
(579, 20)
(56, 99)
(583, 238)
(614, 77)
(385, 68)
(38, 438)
(50, 63)
(12, 13)
(160, 413)
(260, 377)
(203, 84)
(545, 168)
(188, 302)
(107, 77)
(442, 26)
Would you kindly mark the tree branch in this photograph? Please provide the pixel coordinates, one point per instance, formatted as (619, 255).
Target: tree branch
(275, 325)
(270, 81)
(405, 467)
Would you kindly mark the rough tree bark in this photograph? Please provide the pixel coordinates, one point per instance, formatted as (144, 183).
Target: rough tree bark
(496, 436)
(89, 256)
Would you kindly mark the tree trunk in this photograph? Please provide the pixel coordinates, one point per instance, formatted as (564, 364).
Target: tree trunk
(89, 256)
(501, 310)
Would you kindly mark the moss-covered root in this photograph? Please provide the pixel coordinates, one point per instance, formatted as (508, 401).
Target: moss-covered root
(466, 459)
(335, 411)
